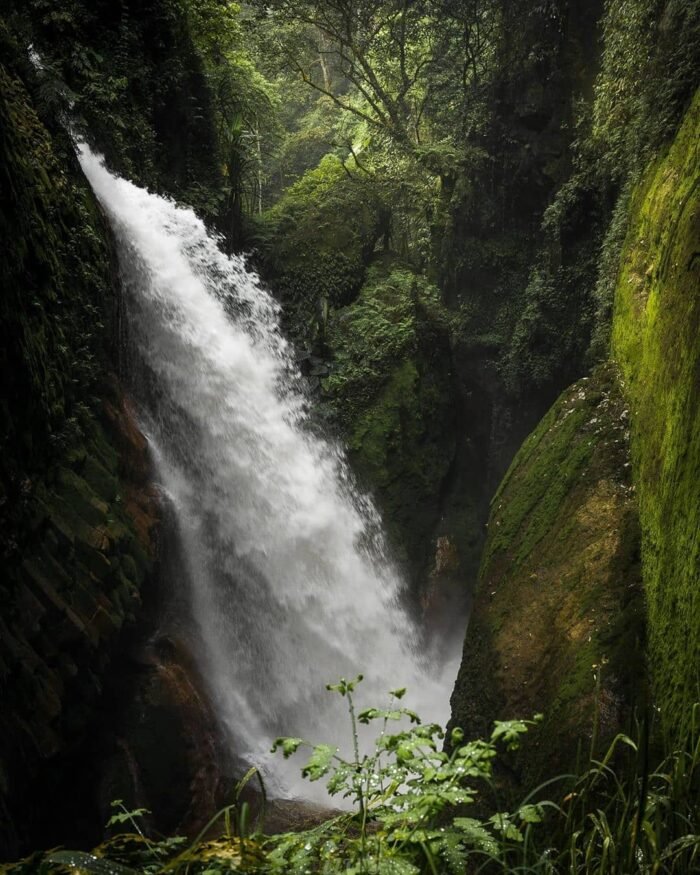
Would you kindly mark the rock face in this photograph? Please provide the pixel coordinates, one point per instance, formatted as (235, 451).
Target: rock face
(316, 243)
(559, 599)
(78, 587)
(78, 514)
(594, 546)
(656, 339)
(161, 747)
(390, 390)
(548, 55)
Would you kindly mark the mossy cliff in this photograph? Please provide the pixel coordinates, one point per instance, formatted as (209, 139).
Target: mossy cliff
(374, 340)
(559, 598)
(656, 340)
(389, 388)
(77, 514)
(133, 81)
(316, 243)
(592, 560)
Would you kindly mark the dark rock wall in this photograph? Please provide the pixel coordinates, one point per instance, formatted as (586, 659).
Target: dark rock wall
(548, 57)
(133, 81)
(78, 514)
(656, 339)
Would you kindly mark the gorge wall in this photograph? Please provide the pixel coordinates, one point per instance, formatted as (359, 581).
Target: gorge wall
(587, 592)
(79, 514)
(656, 340)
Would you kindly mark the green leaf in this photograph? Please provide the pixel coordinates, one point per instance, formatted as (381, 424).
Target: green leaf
(395, 866)
(476, 834)
(379, 714)
(509, 731)
(368, 714)
(289, 745)
(506, 827)
(456, 736)
(531, 814)
(451, 849)
(89, 863)
(319, 762)
(344, 686)
(341, 779)
(125, 816)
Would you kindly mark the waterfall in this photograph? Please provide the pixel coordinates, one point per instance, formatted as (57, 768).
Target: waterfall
(290, 584)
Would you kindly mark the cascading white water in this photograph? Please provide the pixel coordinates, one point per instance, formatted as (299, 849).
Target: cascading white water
(290, 584)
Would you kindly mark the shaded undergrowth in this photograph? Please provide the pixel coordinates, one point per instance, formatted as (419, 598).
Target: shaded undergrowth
(410, 804)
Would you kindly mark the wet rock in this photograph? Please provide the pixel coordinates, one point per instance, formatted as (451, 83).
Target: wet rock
(559, 597)
(167, 751)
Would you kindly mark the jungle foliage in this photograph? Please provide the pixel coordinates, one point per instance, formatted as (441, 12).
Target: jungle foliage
(442, 194)
(417, 808)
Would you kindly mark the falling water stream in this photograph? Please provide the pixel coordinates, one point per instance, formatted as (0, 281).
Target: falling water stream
(289, 581)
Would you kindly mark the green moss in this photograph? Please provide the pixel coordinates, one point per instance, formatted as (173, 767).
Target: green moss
(656, 333)
(646, 75)
(377, 431)
(316, 242)
(379, 331)
(54, 275)
(99, 478)
(553, 467)
(390, 392)
(138, 87)
(559, 595)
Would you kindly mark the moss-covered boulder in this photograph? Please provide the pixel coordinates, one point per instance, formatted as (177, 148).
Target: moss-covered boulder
(656, 339)
(559, 596)
(557, 623)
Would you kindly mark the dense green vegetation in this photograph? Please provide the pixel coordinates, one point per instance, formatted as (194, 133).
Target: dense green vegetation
(454, 175)
(390, 391)
(404, 796)
(464, 208)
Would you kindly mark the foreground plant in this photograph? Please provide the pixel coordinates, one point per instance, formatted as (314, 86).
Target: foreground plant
(409, 799)
(401, 794)
(623, 817)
